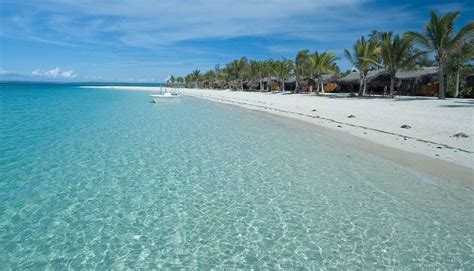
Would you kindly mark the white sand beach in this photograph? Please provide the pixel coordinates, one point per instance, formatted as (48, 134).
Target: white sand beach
(433, 122)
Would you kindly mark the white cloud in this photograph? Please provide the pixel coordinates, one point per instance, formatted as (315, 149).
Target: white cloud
(36, 73)
(55, 73)
(151, 23)
(69, 74)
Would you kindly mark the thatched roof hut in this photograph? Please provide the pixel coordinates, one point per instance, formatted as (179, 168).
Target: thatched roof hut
(329, 78)
(354, 77)
(421, 82)
(425, 71)
(415, 82)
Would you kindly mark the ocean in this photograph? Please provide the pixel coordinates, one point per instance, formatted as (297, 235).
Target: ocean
(94, 178)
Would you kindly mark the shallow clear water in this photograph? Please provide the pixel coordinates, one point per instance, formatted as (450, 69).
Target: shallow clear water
(106, 179)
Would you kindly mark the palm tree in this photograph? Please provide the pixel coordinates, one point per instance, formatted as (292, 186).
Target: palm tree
(256, 72)
(196, 77)
(321, 63)
(301, 65)
(457, 59)
(172, 80)
(239, 68)
(364, 55)
(440, 38)
(267, 71)
(180, 81)
(209, 76)
(224, 76)
(282, 70)
(395, 53)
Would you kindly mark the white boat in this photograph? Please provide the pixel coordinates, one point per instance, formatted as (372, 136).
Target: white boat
(166, 97)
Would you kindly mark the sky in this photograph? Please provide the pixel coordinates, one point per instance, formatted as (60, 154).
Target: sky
(149, 40)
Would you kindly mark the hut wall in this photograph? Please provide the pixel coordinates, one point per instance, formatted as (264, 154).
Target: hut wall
(331, 87)
(274, 85)
(305, 85)
(429, 90)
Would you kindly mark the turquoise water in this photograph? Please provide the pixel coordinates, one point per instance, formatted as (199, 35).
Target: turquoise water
(105, 179)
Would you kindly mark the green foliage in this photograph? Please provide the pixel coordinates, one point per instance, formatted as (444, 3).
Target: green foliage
(365, 54)
(321, 63)
(453, 53)
(440, 38)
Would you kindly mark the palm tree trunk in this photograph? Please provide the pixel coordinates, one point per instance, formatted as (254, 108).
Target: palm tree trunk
(441, 93)
(361, 87)
(297, 85)
(457, 84)
(322, 87)
(282, 85)
(241, 84)
(365, 86)
(261, 83)
(392, 84)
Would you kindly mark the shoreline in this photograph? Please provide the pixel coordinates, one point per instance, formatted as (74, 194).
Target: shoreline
(450, 158)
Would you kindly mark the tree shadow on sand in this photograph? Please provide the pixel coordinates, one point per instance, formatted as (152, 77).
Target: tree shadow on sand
(466, 103)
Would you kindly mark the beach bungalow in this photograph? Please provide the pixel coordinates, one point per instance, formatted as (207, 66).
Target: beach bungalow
(376, 79)
(271, 83)
(329, 81)
(421, 82)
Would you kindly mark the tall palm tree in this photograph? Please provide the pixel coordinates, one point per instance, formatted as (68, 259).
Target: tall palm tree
(395, 52)
(196, 77)
(172, 80)
(282, 69)
(180, 81)
(224, 76)
(440, 38)
(239, 68)
(457, 58)
(301, 65)
(365, 53)
(209, 76)
(255, 72)
(319, 64)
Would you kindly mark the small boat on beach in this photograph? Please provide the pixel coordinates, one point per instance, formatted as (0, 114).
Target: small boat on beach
(166, 97)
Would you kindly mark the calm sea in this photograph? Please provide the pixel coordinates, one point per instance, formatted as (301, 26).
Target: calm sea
(105, 179)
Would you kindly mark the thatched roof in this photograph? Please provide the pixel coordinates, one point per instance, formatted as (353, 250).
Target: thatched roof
(354, 76)
(329, 78)
(271, 78)
(417, 73)
(326, 78)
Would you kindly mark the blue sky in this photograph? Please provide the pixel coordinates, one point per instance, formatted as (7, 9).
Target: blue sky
(148, 40)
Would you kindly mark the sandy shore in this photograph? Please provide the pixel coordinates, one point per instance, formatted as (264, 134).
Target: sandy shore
(433, 122)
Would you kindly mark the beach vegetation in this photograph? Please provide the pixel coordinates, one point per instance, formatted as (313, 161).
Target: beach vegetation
(364, 54)
(440, 38)
(438, 51)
